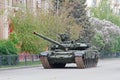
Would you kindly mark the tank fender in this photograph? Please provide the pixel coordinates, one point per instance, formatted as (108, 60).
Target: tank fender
(79, 53)
(44, 54)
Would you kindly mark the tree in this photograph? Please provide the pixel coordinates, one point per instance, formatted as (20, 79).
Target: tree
(71, 18)
(45, 23)
(104, 11)
(75, 10)
(107, 17)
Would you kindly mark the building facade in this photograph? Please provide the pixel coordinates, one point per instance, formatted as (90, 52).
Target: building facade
(92, 3)
(115, 6)
(8, 6)
(3, 24)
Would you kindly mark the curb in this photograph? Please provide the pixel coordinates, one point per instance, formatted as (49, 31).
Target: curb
(20, 67)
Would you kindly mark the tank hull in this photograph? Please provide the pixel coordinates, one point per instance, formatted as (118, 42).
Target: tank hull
(83, 59)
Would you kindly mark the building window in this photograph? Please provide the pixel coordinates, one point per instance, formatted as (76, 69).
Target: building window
(94, 2)
(22, 1)
(119, 12)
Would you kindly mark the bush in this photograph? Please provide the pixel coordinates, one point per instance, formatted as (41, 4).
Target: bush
(13, 37)
(98, 41)
(104, 12)
(7, 48)
(9, 59)
(47, 24)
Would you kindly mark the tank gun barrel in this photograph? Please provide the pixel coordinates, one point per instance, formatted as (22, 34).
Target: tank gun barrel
(48, 39)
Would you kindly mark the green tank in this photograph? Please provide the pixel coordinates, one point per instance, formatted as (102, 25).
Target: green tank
(59, 54)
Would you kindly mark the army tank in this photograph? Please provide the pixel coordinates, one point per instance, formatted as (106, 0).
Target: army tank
(59, 54)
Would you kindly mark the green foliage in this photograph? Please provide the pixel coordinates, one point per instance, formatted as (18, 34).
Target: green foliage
(98, 41)
(44, 23)
(13, 38)
(103, 11)
(115, 45)
(75, 10)
(110, 47)
(50, 24)
(79, 14)
(1, 11)
(7, 48)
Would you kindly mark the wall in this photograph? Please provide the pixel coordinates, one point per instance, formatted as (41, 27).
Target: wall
(3, 29)
(92, 3)
(115, 6)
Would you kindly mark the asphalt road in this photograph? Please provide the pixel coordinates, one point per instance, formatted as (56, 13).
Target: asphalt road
(106, 70)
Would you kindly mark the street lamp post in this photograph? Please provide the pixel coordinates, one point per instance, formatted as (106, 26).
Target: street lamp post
(58, 2)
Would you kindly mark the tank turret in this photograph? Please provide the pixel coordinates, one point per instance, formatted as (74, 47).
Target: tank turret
(48, 39)
(66, 43)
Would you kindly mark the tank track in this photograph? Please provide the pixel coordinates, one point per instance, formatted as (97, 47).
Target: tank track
(82, 62)
(47, 65)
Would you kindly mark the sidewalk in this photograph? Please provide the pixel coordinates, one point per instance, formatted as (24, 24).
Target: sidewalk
(19, 67)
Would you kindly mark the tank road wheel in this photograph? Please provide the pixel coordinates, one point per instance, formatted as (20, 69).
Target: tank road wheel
(89, 63)
(96, 61)
(85, 61)
(45, 62)
(92, 62)
(79, 62)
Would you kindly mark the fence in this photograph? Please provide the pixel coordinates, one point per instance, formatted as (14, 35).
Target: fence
(23, 60)
(16, 60)
(114, 55)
